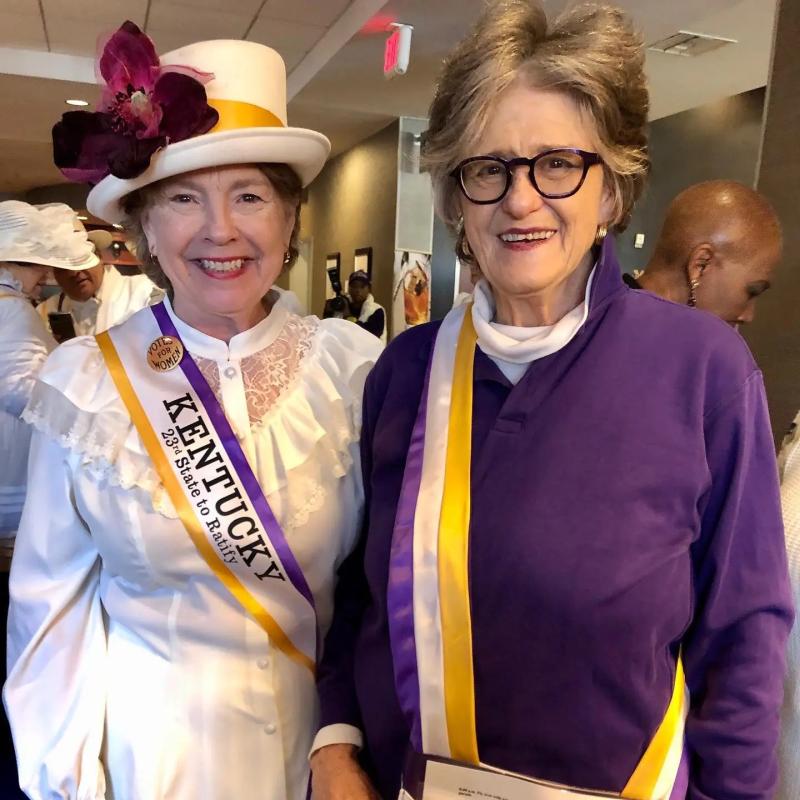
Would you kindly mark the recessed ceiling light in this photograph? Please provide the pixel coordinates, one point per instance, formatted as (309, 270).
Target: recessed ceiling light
(82, 218)
(77, 102)
(117, 226)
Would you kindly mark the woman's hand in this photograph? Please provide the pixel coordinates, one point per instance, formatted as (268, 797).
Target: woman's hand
(337, 775)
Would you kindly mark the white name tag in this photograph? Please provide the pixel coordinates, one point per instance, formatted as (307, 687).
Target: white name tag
(448, 781)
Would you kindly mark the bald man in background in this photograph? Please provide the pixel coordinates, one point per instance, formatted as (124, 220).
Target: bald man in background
(718, 248)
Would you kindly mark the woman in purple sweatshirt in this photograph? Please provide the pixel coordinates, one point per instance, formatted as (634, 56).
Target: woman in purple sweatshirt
(573, 577)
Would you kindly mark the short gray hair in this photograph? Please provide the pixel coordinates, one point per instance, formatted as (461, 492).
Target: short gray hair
(591, 53)
(284, 180)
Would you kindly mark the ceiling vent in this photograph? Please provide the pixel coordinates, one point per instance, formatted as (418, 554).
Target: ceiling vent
(686, 43)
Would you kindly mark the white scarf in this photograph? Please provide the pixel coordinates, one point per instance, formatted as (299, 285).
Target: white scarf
(368, 308)
(517, 345)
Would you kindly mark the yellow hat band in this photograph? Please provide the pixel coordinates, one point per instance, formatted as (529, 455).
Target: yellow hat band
(235, 114)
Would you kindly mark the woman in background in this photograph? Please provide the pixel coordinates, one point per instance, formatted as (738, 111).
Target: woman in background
(32, 240)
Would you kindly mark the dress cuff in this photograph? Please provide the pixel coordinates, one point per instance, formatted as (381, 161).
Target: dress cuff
(337, 734)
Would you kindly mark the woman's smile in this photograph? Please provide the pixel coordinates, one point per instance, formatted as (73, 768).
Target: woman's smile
(525, 239)
(222, 268)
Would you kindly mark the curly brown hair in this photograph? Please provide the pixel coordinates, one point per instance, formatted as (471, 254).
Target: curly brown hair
(590, 52)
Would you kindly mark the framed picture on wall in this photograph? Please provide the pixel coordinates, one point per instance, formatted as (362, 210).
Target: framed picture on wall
(333, 267)
(363, 260)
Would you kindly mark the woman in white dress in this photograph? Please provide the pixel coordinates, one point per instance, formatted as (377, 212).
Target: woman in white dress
(194, 472)
(32, 239)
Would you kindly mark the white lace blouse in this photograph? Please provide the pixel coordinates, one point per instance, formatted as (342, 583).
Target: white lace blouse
(135, 674)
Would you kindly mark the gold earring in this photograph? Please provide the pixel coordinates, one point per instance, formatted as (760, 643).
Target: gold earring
(693, 284)
(602, 232)
(287, 257)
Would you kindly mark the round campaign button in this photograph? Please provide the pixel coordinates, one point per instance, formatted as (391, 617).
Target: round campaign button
(165, 353)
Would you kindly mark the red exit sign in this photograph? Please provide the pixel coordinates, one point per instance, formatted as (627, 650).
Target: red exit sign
(397, 51)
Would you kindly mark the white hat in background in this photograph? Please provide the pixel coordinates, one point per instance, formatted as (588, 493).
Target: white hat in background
(44, 235)
(211, 104)
(101, 239)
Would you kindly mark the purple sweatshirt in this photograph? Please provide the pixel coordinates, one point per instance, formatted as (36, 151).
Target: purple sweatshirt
(624, 504)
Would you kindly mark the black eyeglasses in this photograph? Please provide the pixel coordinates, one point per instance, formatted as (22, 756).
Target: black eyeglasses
(555, 174)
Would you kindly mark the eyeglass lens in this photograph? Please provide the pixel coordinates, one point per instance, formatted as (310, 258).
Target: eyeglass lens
(555, 174)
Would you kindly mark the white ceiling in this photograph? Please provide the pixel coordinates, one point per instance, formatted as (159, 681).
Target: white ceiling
(72, 26)
(335, 77)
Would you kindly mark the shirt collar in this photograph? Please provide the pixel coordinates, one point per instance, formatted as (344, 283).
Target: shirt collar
(486, 370)
(240, 346)
(106, 290)
(607, 280)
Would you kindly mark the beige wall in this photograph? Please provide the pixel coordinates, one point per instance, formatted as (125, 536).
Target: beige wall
(774, 336)
(352, 204)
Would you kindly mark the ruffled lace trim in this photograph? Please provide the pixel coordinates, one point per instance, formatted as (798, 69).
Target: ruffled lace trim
(106, 444)
(314, 414)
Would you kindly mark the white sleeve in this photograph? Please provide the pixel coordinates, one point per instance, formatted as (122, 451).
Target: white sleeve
(24, 346)
(55, 692)
(340, 733)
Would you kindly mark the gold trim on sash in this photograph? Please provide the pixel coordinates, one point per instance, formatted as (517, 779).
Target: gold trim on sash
(193, 527)
(236, 114)
(643, 782)
(459, 681)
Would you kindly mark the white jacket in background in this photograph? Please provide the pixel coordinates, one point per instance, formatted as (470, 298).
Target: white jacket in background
(24, 345)
(119, 297)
